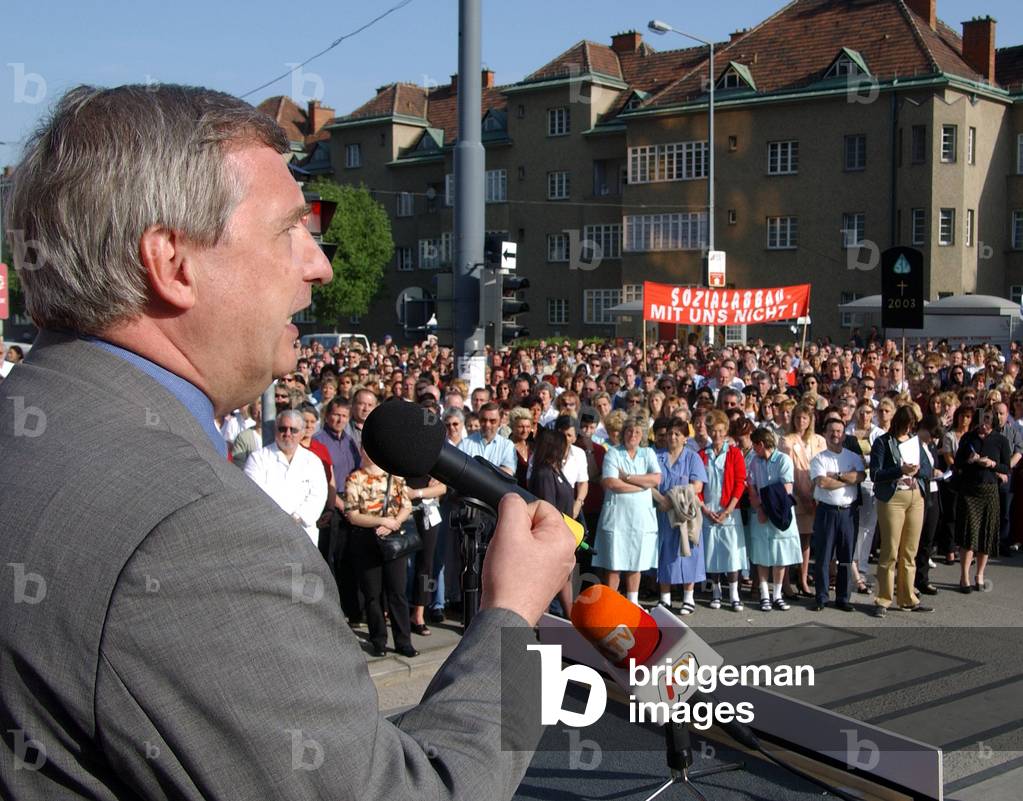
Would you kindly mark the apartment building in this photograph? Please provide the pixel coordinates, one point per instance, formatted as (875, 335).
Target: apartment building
(840, 129)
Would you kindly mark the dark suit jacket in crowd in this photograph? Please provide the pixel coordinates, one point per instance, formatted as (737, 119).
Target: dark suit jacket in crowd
(167, 632)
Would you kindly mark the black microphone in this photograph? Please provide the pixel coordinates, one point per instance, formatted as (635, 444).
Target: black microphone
(407, 440)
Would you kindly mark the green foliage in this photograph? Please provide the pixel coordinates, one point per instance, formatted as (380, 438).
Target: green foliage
(557, 341)
(362, 232)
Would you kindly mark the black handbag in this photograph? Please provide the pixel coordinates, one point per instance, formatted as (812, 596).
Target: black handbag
(402, 542)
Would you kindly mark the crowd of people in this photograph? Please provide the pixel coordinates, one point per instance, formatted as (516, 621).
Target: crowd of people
(722, 471)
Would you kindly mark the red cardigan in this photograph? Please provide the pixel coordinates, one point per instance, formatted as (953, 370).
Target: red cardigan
(734, 484)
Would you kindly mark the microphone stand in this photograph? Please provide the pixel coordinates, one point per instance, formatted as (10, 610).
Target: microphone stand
(474, 521)
(678, 747)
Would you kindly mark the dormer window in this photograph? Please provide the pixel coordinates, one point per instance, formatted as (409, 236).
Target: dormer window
(848, 62)
(634, 102)
(736, 76)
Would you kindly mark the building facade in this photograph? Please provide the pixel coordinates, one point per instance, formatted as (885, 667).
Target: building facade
(841, 129)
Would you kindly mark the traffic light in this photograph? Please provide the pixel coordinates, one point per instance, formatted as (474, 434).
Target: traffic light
(512, 304)
(320, 215)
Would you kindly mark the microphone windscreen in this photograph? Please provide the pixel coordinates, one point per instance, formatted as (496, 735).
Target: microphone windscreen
(618, 628)
(403, 438)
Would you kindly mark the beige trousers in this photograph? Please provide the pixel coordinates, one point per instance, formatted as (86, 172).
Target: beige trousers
(901, 520)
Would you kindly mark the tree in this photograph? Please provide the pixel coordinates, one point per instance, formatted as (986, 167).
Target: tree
(362, 231)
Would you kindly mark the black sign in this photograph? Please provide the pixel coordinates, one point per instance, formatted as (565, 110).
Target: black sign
(902, 288)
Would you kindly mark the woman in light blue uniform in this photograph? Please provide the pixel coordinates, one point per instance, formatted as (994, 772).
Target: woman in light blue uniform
(679, 466)
(626, 540)
(723, 536)
(772, 548)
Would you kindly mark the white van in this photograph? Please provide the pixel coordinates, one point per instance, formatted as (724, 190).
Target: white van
(330, 341)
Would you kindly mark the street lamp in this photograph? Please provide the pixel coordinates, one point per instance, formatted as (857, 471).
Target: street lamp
(660, 27)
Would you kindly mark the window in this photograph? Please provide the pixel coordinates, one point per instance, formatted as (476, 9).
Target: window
(605, 239)
(919, 226)
(1017, 229)
(557, 311)
(632, 293)
(355, 319)
(597, 305)
(968, 233)
(449, 189)
(971, 146)
(607, 177)
(447, 241)
(1019, 154)
(429, 254)
(948, 143)
(782, 233)
(557, 185)
(918, 145)
(353, 156)
(307, 316)
(782, 158)
(680, 231)
(520, 111)
(947, 227)
(730, 80)
(403, 259)
(733, 144)
(522, 173)
(557, 247)
(854, 228)
(844, 66)
(406, 204)
(856, 152)
(558, 121)
(677, 161)
(497, 186)
(1016, 293)
(850, 319)
(733, 216)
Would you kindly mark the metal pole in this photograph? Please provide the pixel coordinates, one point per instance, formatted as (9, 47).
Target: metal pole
(710, 177)
(469, 200)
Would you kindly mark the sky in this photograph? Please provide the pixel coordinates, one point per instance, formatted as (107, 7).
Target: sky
(52, 45)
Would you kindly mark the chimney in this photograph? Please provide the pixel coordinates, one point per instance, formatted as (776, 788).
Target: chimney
(979, 46)
(928, 9)
(737, 34)
(454, 84)
(488, 78)
(627, 42)
(318, 116)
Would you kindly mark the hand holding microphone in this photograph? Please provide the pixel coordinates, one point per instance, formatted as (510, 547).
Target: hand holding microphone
(529, 559)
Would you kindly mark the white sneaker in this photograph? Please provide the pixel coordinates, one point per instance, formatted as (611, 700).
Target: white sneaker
(930, 564)
(715, 603)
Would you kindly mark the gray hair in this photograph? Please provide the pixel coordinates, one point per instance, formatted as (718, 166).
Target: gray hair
(454, 414)
(107, 165)
(294, 414)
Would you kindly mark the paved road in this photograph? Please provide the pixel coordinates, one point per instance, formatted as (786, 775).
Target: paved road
(952, 678)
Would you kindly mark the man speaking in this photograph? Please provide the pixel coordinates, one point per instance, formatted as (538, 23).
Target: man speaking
(166, 631)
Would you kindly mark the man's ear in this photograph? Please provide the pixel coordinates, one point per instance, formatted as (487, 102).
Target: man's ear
(165, 255)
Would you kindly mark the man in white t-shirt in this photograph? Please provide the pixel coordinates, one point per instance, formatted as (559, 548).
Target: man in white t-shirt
(836, 474)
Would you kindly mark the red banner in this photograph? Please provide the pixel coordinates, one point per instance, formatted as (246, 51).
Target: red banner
(4, 295)
(685, 305)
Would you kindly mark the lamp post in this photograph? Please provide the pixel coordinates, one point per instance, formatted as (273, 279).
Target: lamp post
(660, 27)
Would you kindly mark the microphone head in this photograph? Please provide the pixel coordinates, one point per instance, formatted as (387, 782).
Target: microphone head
(403, 438)
(615, 626)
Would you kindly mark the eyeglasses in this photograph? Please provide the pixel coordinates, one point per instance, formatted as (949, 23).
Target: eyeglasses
(288, 429)
(868, 386)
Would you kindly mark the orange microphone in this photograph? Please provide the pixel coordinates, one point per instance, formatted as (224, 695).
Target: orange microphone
(615, 626)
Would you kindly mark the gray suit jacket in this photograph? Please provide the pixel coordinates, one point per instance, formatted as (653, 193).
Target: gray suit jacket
(167, 632)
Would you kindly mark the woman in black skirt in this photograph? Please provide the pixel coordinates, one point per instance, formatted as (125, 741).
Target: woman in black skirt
(982, 461)
(548, 483)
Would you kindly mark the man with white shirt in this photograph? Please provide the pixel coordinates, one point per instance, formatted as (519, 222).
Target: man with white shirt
(291, 475)
(836, 474)
(487, 443)
(726, 378)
